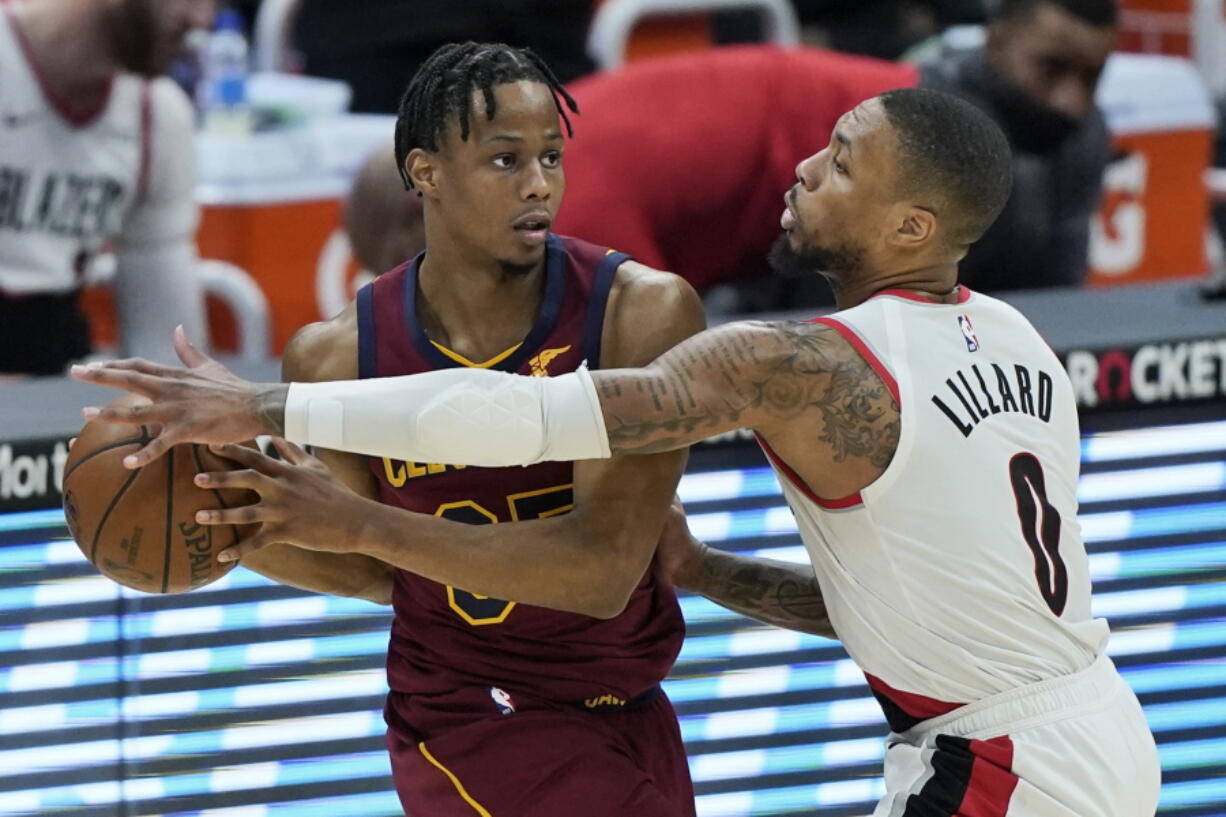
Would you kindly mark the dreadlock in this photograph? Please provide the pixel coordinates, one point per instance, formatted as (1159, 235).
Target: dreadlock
(444, 84)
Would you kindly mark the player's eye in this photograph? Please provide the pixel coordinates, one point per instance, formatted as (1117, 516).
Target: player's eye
(552, 159)
(504, 161)
(839, 167)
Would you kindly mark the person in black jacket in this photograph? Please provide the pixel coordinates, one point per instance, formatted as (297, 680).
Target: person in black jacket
(1036, 76)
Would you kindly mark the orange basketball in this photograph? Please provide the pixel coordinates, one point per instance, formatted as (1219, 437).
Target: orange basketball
(139, 527)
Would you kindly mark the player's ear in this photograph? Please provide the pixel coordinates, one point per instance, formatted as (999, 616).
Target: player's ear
(422, 168)
(914, 227)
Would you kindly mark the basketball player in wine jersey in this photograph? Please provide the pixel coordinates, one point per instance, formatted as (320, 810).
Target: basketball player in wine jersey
(497, 704)
(926, 439)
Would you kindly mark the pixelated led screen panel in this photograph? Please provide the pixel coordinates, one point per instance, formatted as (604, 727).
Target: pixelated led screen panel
(247, 699)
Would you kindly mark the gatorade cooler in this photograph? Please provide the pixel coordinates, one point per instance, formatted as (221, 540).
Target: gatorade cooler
(1154, 212)
(1195, 29)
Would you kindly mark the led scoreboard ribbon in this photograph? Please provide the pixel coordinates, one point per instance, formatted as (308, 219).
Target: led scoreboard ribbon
(247, 699)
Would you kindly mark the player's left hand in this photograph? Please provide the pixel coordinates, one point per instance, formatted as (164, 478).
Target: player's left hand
(203, 403)
(301, 503)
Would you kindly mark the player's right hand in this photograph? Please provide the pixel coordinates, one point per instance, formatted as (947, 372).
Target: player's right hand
(678, 553)
(204, 403)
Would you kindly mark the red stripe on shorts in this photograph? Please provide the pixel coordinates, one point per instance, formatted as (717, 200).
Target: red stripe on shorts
(992, 779)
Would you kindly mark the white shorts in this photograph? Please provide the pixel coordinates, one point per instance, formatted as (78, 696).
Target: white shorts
(1077, 746)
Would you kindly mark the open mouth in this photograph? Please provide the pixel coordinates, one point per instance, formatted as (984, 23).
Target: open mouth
(533, 228)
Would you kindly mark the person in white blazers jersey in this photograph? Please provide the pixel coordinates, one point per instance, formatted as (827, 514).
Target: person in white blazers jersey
(96, 154)
(925, 436)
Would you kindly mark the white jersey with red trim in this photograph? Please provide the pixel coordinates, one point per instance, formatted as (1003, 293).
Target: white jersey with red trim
(960, 573)
(71, 180)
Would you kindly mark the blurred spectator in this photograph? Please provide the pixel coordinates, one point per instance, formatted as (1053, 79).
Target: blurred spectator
(376, 45)
(882, 28)
(1036, 75)
(95, 148)
(383, 220)
(683, 161)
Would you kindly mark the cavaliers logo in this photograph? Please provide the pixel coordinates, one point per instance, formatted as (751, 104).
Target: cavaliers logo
(540, 363)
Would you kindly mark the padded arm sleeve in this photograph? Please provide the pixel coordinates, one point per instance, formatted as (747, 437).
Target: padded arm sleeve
(457, 416)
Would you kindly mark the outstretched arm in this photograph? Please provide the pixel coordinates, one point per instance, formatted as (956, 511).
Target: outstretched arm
(752, 375)
(740, 375)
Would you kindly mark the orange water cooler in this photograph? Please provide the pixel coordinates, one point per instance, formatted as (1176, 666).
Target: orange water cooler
(1152, 221)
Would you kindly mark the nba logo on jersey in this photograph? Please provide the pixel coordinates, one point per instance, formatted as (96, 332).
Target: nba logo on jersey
(502, 699)
(968, 333)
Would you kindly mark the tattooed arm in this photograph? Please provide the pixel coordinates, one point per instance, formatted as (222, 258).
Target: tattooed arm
(751, 375)
(778, 593)
(800, 385)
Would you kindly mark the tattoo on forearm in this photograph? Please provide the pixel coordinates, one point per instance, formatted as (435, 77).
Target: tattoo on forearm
(781, 370)
(269, 409)
(778, 593)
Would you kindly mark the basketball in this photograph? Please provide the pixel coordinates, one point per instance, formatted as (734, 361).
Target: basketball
(138, 527)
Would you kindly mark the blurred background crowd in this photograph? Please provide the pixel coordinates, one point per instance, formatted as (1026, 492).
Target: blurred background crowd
(268, 204)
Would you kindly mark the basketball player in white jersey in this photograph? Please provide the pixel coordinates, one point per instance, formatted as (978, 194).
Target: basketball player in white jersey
(95, 152)
(926, 438)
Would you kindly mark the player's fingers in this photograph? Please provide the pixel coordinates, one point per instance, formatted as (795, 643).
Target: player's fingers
(156, 447)
(116, 377)
(246, 478)
(132, 415)
(249, 457)
(248, 545)
(187, 351)
(71, 443)
(130, 364)
(243, 515)
(291, 453)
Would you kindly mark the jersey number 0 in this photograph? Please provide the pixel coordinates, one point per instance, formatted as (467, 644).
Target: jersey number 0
(479, 610)
(1040, 528)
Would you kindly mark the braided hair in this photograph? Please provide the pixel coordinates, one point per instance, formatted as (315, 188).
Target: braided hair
(444, 84)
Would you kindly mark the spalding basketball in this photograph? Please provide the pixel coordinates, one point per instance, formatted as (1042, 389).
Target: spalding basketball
(139, 527)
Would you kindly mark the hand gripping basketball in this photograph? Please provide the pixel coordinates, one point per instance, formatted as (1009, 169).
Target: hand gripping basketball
(301, 501)
(204, 403)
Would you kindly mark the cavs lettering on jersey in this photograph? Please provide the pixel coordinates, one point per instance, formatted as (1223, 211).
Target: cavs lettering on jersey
(960, 572)
(446, 637)
(71, 181)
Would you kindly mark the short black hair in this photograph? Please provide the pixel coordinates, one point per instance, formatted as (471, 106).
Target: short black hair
(444, 84)
(953, 152)
(1095, 12)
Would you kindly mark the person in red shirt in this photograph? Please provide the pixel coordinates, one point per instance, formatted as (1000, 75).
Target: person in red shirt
(679, 161)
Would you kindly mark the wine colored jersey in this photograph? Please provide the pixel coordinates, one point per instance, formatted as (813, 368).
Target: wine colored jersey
(445, 637)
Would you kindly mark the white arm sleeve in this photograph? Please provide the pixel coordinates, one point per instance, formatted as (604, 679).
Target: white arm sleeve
(157, 284)
(457, 416)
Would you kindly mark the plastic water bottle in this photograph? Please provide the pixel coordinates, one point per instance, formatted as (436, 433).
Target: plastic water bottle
(222, 89)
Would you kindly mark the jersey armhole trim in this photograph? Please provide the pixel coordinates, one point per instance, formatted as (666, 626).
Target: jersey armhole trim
(597, 307)
(841, 504)
(848, 334)
(367, 364)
